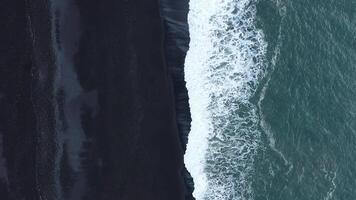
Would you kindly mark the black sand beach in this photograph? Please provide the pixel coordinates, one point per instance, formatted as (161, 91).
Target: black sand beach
(93, 100)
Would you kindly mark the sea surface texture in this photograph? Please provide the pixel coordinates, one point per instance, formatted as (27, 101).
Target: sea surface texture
(272, 88)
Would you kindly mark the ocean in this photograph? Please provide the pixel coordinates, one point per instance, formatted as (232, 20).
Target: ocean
(272, 88)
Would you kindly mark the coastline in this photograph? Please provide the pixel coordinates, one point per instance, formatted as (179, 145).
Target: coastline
(174, 15)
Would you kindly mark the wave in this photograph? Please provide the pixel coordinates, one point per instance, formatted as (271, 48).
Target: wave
(224, 66)
(266, 128)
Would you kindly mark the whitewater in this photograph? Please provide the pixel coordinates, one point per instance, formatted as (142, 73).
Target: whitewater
(224, 67)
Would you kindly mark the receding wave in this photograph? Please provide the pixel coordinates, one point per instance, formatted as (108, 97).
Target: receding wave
(224, 66)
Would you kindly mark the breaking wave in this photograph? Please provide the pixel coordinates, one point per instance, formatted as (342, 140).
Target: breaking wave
(224, 66)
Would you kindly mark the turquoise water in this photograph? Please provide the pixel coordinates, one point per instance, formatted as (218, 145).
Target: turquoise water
(272, 87)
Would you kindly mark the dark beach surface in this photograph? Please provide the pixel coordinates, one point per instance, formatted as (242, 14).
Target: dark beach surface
(93, 100)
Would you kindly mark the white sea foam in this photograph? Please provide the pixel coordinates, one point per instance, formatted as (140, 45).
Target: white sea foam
(263, 123)
(224, 66)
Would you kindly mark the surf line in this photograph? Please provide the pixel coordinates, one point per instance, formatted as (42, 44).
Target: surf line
(224, 67)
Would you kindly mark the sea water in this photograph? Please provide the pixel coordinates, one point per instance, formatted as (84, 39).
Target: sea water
(272, 87)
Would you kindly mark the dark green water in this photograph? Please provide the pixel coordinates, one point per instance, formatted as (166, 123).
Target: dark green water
(308, 101)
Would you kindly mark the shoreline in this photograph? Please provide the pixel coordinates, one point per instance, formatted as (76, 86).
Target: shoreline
(174, 15)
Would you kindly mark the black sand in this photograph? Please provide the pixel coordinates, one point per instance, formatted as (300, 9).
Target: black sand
(87, 102)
